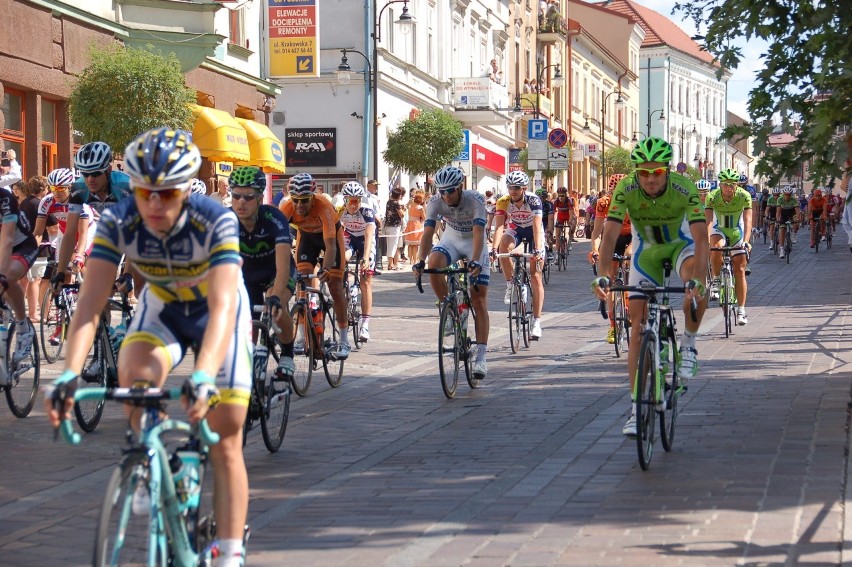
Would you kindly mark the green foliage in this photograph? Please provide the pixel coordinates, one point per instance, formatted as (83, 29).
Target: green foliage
(545, 173)
(618, 161)
(805, 77)
(425, 144)
(126, 91)
(692, 173)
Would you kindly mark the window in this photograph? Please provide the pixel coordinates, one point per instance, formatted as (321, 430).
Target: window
(49, 150)
(13, 131)
(237, 27)
(430, 41)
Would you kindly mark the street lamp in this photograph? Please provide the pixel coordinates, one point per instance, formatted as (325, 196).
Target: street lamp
(662, 118)
(694, 135)
(620, 103)
(634, 139)
(557, 81)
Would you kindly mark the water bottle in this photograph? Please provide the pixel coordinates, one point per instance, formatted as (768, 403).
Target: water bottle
(313, 301)
(185, 466)
(118, 336)
(4, 335)
(354, 292)
(464, 310)
(525, 293)
(261, 354)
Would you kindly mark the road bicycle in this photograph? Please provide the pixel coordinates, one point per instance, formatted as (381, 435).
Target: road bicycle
(546, 264)
(154, 511)
(269, 402)
(829, 232)
(56, 310)
(101, 367)
(727, 290)
(562, 247)
(620, 314)
(520, 305)
(818, 231)
(657, 386)
(19, 371)
(455, 347)
(352, 291)
(788, 240)
(316, 335)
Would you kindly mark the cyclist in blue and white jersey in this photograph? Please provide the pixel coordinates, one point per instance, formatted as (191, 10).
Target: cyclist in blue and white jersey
(359, 228)
(522, 214)
(464, 216)
(187, 247)
(100, 187)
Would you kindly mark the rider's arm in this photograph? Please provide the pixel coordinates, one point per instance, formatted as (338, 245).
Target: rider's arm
(611, 230)
(698, 230)
(597, 232)
(478, 240)
(82, 235)
(538, 232)
(69, 241)
(38, 230)
(708, 218)
(426, 242)
(7, 233)
(282, 271)
(748, 222)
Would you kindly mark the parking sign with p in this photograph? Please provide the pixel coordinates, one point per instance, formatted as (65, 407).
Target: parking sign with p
(537, 129)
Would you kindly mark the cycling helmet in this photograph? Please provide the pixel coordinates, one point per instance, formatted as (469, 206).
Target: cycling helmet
(302, 185)
(703, 185)
(449, 176)
(354, 190)
(248, 176)
(198, 186)
(93, 157)
(542, 193)
(61, 177)
(651, 150)
(776, 190)
(614, 179)
(817, 192)
(517, 179)
(743, 178)
(788, 190)
(729, 176)
(162, 156)
(562, 191)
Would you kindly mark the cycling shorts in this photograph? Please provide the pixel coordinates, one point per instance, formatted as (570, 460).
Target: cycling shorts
(647, 263)
(621, 243)
(308, 248)
(26, 252)
(787, 215)
(176, 326)
(454, 249)
(355, 244)
(520, 234)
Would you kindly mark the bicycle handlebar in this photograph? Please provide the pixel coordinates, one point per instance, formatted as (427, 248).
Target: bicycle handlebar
(138, 397)
(649, 290)
(442, 271)
(515, 255)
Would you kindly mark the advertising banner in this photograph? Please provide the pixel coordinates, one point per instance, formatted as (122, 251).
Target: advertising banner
(293, 38)
(311, 147)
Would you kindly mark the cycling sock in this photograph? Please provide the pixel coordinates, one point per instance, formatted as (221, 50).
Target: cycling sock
(230, 553)
(287, 349)
(688, 339)
(480, 351)
(344, 335)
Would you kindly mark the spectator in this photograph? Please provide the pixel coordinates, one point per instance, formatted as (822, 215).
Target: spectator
(379, 213)
(392, 227)
(527, 87)
(416, 218)
(223, 194)
(32, 192)
(7, 176)
(13, 163)
(337, 197)
(495, 74)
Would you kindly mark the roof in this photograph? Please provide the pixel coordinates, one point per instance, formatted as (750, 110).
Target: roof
(659, 29)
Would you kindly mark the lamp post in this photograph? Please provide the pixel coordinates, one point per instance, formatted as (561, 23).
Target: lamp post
(344, 72)
(634, 139)
(619, 104)
(557, 81)
(694, 134)
(651, 115)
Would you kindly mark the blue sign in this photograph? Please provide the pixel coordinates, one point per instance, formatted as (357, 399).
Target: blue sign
(464, 154)
(537, 129)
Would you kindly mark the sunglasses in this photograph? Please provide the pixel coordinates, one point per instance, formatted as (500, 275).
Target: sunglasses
(517, 188)
(165, 195)
(302, 200)
(58, 188)
(729, 185)
(93, 174)
(354, 200)
(242, 197)
(449, 191)
(658, 172)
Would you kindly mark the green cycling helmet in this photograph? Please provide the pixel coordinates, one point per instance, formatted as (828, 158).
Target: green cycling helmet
(248, 176)
(651, 150)
(541, 193)
(729, 176)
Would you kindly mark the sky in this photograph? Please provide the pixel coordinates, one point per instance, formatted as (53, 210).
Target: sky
(743, 77)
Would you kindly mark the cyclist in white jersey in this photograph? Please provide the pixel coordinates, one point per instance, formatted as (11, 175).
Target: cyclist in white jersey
(464, 215)
(359, 229)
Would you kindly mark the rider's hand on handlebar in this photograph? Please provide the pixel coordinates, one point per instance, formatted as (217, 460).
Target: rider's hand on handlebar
(475, 268)
(199, 395)
(593, 257)
(57, 281)
(418, 267)
(695, 289)
(600, 287)
(59, 398)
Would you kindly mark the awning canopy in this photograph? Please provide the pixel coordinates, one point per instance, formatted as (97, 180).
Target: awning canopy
(219, 136)
(265, 148)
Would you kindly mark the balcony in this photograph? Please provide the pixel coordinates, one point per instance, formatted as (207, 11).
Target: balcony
(479, 100)
(532, 101)
(552, 30)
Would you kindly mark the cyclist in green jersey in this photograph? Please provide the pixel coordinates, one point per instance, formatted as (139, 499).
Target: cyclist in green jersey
(668, 224)
(729, 217)
(771, 207)
(785, 210)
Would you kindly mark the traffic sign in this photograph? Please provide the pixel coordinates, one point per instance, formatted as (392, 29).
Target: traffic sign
(557, 138)
(537, 129)
(558, 164)
(537, 149)
(558, 154)
(681, 167)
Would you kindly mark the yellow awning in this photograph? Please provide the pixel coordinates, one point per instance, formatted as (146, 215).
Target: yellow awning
(219, 136)
(265, 148)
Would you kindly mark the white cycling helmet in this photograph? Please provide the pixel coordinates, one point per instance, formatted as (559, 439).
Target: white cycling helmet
(62, 177)
(197, 186)
(354, 190)
(788, 190)
(93, 157)
(449, 176)
(517, 179)
(776, 190)
(703, 185)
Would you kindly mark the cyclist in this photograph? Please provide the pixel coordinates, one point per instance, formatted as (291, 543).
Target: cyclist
(834, 204)
(198, 187)
(729, 217)
(522, 214)
(761, 213)
(785, 210)
(743, 183)
(56, 204)
(771, 214)
(265, 247)
(319, 230)
(359, 229)
(547, 214)
(187, 247)
(668, 224)
(622, 244)
(464, 215)
(817, 215)
(565, 210)
(100, 187)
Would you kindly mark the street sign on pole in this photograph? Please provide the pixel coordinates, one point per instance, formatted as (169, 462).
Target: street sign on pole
(537, 149)
(537, 129)
(557, 138)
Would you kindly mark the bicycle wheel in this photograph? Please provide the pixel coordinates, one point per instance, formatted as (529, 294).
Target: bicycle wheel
(353, 313)
(828, 237)
(788, 246)
(124, 535)
(671, 385)
(23, 373)
(468, 327)
(53, 327)
(725, 301)
(645, 403)
(619, 312)
(304, 355)
(545, 271)
(563, 257)
(448, 349)
(515, 314)
(526, 317)
(332, 366)
(273, 400)
(94, 375)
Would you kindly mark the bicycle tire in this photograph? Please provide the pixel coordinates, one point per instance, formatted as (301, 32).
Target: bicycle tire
(274, 400)
(828, 238)
(515, 319)
(526, 321)
(619, 318)
(353, 313)
(304, 361)
(545, 271)
(671, 384)
(333, 367)
(54, 320)
(94, 375)
(645, 403)
(23, 375)
(470, 349)
(788, 247)
(563, 258)
(448, 349)
(124, 537)
(724, 301)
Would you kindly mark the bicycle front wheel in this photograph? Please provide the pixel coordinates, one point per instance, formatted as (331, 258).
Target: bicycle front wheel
(274, 401)
(671, 385)
(725, 302)
(545, 271)
(54, 324)
(448, 349)
(124, 535)
(332, 365)
(645, 401)
(516, 312)
(619, 312)
(94, 375)
(525, 311)
(23, 373)
(303, 350)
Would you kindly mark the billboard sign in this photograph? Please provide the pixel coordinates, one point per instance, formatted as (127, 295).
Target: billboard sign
(311, 147)
(293, 38)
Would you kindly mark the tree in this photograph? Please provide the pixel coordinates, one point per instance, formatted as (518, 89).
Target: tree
(545, 173)
(126, 91)
(805, 80)
(618, 161)
(424, 143)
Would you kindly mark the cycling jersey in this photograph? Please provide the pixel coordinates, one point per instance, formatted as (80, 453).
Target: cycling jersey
(50, 206)
(354, 232)
(564, 209)
(118, 187)
(320, 219)
(24, 247)
(546, 211)
(771, 204)
(787, 208)
(817, 204)
(602, 211)
(729, 216)
(457, 238)
(519, 217)
(257, 249)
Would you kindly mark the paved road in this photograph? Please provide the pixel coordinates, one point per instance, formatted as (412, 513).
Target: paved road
(530, 469)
